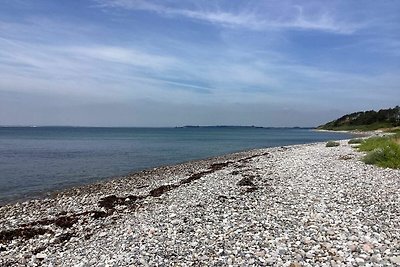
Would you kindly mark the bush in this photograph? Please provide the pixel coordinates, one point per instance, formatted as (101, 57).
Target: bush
(332, 144)
(374, 156)
(374, 142)
(355, 141)
(382, 151)
(387, 157)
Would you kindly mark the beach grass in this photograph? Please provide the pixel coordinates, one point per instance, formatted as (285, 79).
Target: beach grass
(332, 144)
(382, 151)
(355, 141)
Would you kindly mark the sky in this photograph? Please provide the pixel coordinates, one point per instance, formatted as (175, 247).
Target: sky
(196, 62)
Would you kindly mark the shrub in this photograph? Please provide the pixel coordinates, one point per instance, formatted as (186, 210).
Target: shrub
(355, 141)
(332, 144)
(374, 156)
(382, 151)
(387, 156)
(375, 142)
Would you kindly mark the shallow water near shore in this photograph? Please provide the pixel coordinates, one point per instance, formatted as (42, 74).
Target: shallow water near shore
(34, 160)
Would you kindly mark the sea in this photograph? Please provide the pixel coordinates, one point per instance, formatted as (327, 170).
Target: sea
(38, 160)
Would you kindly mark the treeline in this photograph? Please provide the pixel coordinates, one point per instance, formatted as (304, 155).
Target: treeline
(366, 120)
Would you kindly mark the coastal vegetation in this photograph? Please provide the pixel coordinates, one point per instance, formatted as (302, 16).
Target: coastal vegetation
(365, 120)
(355, 141)
(332, 144)
(382, 151)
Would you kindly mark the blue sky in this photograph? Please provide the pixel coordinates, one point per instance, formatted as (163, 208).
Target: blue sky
(171, 63)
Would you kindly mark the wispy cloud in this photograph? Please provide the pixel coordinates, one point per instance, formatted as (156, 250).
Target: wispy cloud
(129, 56)
(128, 72)
(248, 18)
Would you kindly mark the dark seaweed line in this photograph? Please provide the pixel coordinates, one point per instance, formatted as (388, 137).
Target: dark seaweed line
(30, 230)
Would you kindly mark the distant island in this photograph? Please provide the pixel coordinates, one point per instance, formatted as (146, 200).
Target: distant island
(365, 120)
(219, 126)
(240, 126)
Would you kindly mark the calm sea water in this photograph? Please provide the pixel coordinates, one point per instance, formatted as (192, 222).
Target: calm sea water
(37, 160)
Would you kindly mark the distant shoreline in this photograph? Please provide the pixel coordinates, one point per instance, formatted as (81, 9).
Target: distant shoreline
(356, 133)
(157, 127)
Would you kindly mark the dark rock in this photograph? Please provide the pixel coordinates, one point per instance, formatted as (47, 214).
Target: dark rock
(251, 189)
(25, 233)
(345, 157)
(66, 221)
(109, 202)
(246, 181)
(220, 166)
(65, 237)
(222, 197)
(194, 177)
(38, 250)
(99, 214)
(161, 190)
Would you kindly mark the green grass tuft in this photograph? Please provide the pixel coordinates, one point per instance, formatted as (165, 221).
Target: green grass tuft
(355, 141)
(382, 151)
(332, 144)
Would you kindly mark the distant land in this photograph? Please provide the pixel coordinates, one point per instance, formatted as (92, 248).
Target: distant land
(241, 126)
(177, 127)
(365, 120)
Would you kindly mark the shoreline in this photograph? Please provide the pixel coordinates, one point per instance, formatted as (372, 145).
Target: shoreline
(273, 194)
(356, 133)
(46, 193)
(94, 185)
(151, 172)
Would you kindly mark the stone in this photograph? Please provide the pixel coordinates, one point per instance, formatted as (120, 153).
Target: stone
(375, 258)
(281, 250)
(41, 256)
(395, 260)
(353, 248)
(175, 222)
(203, 258)
(309, 255)
(330, 232)
(360, 261)
(247, 181)
(260, 253)
(353, 238)
(102, 234)
(368, 248)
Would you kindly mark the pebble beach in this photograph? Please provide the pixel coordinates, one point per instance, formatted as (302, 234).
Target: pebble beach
(301, 205)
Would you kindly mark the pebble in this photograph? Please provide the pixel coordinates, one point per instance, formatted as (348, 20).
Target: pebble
(175, 222)
(360, 261)
(41, 256)
(309, 255)
(395, 260)
(368, 248)
(353, 247)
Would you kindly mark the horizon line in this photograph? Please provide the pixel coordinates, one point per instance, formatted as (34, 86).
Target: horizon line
(183, 126)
